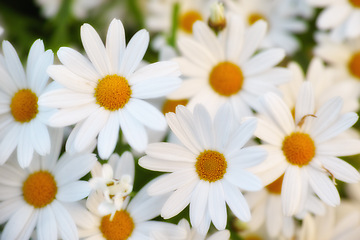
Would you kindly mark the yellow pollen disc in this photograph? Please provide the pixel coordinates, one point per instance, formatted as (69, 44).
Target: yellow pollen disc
(188, 19)
(354, 64)
(211, 165)
(112, 92)
(355, 3)
(39, 189)
(226, 78)
(24, 105)
(298, 148)
(120, 228)
(252, 18)
(275, 187)
(170, 105)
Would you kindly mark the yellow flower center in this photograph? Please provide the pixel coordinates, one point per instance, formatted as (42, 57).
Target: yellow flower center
(211, 165)
(170, 105)
(253, 17)
(112, 92)
(355, 3)
(226, 78)
(354, 64)
(298, 148)
(39, 189)
(24, 105)
(275, 187)
(119, 228)
(188, 19)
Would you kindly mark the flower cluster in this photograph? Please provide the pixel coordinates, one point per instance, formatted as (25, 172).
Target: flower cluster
(239, 121)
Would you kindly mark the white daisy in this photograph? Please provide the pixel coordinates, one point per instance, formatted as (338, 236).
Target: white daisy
(133, 221)
(33, 197)
(305, 149)
(208, 170)
(106, 94)
(342, 17)
(114, 180)
(219, 69)
(23, 121)
(280, 17)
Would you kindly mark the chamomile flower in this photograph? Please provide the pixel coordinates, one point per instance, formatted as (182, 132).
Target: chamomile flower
(24, 124)
(282, 22)
(107, 93)
(114, 180)
(219, 69)
(342, 17)
(132, 221)
(208, 170)
(306, 148)
(33, 198)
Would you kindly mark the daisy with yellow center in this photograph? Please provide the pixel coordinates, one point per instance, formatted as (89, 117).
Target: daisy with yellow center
(38, 197)
(107, 93)
(208, 169)
(224, 68)
(132, 221)
(25, 123)
(305, 149)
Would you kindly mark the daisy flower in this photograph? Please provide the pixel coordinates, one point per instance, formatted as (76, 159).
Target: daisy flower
(280, 16)
(114, 180)
(132, 221)
(219, 69)
(306, 148)
(342, 17)
(33, 198)
(23, 121)
(107, 93)
(208, 170)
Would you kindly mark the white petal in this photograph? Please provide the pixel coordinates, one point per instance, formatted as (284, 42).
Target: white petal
(217, 207)
(339, 147)
(14, 65)
(95, 49)
(248, 157)
(7, 84)
(188, 88)
(125, 166)
(340, 169)
(243, 179)
(78, 64)
(39, 77)
(170, 152)
(9, 207)
(157, 87)
(163, 165)
(46, 225)
(146, 114)
(74, 191)
(269, 133)
(333, 15)
(204, 126)
(241, 135)
(323, 187)
(234, 34)
(11, 176)
(40, 137)
(9, 142)
(108, 136)
(352, 31)
(36, 50)
(198, 204)
(69, 116)
(65, 223)
(134, 53)
(115, 44)
(25, 149)
(263, 61)
(305, 103)
(236, 202)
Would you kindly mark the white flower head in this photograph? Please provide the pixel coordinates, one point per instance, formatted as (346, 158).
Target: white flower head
(37, 197)
(306, 148)
(107, 93)
(208, 169)
(24, 124)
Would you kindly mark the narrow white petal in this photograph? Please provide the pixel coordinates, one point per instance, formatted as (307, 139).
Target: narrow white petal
(133, 131)
(35, 52)
(46, 225)
(39, 77)
(73, 192)
(14, 65)
(146, 114)
(157, 87)
(124, 166)
(204, 126)
(9, 207)
(65, 98)
(248, 157)
(198, 204)
(95, 49)
(25, 150)
(65, 223)
(170, 152)
(324, 187)
(223, 126)
(11, 176)
(188, 88)
(148, 209)
(339, 147)
(273, 215)
(7, 84)
(352, 31)
(40, 137)
(78, 64)
(340, 169)
(269, 133)
(115, 44)
(217, 207)
(333, 15)
(236, 202)
(69, 116)
(163, 165)
(305, 103)
(263, 61)
(134, 53)
(243, 179)
(234, 34)
(241, 135)
(108, 136)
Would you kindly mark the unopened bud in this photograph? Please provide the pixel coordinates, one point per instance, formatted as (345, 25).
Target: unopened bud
(217, 19)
